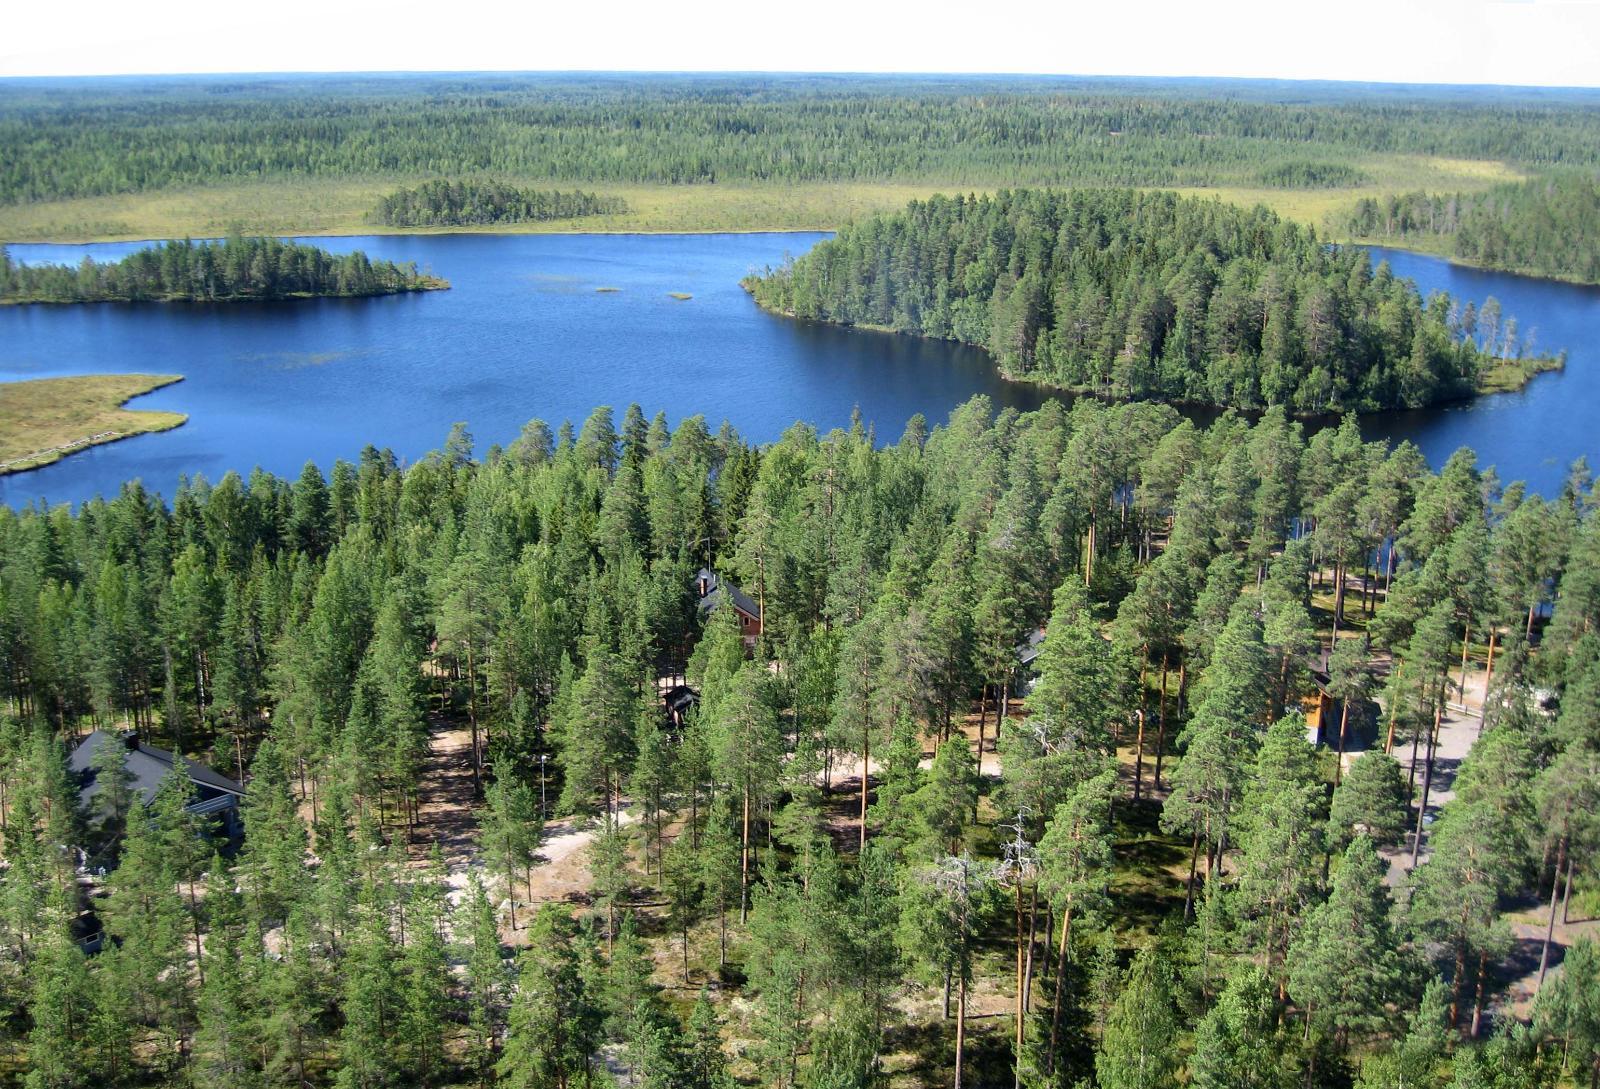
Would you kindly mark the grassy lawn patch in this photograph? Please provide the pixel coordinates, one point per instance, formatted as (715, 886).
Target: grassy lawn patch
(45, 419)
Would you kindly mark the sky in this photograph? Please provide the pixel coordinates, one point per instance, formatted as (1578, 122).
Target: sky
(1518, 42)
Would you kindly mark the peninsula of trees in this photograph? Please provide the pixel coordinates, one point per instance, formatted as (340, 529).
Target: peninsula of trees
(852, 852)
(1548, 226)
(480, 203)
(1146, 295)
(236, 269)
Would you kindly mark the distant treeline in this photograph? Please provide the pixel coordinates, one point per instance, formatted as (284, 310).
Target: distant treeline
(474, 203)
(1543, 226)
(96, 137)
(238, 268)
(1149, 295)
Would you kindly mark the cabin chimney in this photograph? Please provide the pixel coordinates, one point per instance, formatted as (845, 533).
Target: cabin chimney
(130, 739)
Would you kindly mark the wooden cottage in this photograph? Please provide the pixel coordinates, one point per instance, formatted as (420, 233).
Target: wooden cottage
(713, 590)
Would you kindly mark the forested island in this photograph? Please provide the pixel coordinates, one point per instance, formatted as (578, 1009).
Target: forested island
(1139, 295)
(838, 846)
(1547, 226)
(236, 269)
(442, 203)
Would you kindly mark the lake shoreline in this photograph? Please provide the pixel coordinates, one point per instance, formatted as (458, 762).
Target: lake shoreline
(566, 229)
(1462, 262)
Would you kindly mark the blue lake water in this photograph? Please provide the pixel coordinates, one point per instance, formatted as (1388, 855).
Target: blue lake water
(526, 332)
(1531, 435)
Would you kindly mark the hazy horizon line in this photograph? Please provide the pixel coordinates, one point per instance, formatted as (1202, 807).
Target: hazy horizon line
(789, 72)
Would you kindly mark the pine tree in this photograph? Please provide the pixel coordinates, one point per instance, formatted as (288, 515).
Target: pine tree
(745, 751)
(1416, 1058)
(548, 1043)
(1237, 1044)
(510, 830)
(608, 863)
(1346, 965)
(857, 721)
(719, 868)
(1568, 1009)
(113, 1028)
(1371, 802)
(652, 777)
(596, 738)
(1281, 836)
(1074, 871)
(371, 999)
(706, 1064)
(681, 879)
(145, 914)
(60, 1005)
(227, 1046)
(293, 996)
(845, 1050)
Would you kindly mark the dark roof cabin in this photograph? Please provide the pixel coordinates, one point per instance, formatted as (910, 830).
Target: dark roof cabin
(1027, 653)
(1029, 648)
(147, 766)
(713, 589)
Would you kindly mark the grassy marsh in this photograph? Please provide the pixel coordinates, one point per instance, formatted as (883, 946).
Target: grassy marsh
(44, 419)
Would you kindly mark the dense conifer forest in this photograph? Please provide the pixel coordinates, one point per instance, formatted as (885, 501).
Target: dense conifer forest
(1148, 295)
(872, 851)
(237, 268)
(443, 203)
(1544, 226)
(72, 139)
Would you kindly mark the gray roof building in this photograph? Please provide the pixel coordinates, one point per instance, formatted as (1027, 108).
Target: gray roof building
(147, 767)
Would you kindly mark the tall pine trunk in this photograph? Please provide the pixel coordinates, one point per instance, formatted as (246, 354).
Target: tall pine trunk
(1550, 923)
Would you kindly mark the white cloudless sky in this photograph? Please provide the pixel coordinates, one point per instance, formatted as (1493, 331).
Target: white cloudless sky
(1523, 42)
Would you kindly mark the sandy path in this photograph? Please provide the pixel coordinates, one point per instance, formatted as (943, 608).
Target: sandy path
(447, 809)
(448, 818)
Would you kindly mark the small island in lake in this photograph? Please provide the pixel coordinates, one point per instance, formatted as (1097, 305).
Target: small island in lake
(238, 269)
(44, 419)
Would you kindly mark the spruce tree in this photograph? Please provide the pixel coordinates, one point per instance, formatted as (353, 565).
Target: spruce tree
(424, 998)
(488, 983)
(1139, 1049)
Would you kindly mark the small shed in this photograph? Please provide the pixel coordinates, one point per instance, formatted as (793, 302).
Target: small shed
(678, 699)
